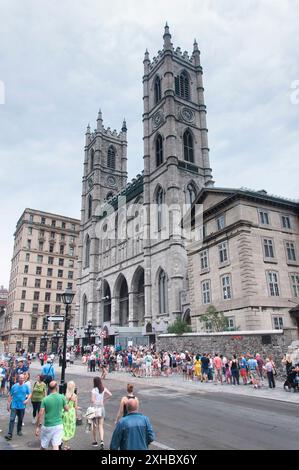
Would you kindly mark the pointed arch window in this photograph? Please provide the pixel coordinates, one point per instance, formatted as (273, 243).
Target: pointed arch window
(191, 194)
(157, 87)
(111, 158)
(89, 206)
(84, 319)
(162, 285)
(159, 150)
(91, 159)
(87, 252)
(159, 202)
(182, 85)
(188, 146)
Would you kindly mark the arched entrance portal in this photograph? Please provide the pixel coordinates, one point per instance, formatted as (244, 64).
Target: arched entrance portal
(123, 303)
(138, 297)
(187, 316)
(106, 299)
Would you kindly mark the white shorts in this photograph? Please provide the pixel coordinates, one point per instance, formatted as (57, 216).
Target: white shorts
(51, 435)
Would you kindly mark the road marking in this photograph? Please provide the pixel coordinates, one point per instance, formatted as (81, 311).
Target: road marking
(161, 446)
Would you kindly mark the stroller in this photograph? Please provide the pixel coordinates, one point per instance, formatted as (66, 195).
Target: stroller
(292, 381)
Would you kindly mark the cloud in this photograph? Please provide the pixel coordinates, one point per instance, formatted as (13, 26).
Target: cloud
(61, 61)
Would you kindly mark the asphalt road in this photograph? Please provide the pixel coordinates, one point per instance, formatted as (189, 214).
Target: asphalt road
(201, 420)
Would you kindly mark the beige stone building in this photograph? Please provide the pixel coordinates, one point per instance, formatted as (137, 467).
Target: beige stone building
(247, 262)
(44, 264)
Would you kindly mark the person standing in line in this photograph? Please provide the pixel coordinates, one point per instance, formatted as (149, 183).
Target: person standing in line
(148, 364)
(234, 367)
(92, 362)
(134, 431)
(287, 362)
(69, 417)
(218, 368)
(18, 398)
(123, 407)
(260, 366)
(271, 371)
(253, 371)
(51, 411)
(243, 369)
(197, 368)
(39, 392)
(99, 395)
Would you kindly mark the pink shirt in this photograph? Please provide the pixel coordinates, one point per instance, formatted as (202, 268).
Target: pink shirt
(217, 362)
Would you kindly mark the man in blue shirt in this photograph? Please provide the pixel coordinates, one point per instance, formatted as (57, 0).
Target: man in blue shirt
(18, 398)
(134, 431)
(48, 371)
(21, 368)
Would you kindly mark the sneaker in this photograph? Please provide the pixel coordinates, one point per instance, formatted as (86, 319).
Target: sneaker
(8, 437)
(95, 444)
(33, 421)
(102, 445)
(20, 433)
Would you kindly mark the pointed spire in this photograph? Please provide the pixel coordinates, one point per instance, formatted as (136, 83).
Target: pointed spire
(195, 46)
(196, 53)
(167, 37)
(146, 56)
(124, 126)
(88, 129)
(100, 115)
(100, 121)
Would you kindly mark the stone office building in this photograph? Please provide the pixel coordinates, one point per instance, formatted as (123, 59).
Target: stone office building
(135, 283)
(247, 262)
(44, 264)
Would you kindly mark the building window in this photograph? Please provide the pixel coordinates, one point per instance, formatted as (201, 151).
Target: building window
(35, 308)
(264, 218)
(50, 260)
(49, 272)
(43, 220)
(204, 260)
(53, 223)
(89, 206)
(70, 275)
(25, 281)
(37, 283)
(52, 235)
(162, 292)
(286, 222)
(29, 230)
(291, 252)
(20, 327)
(45, 324)
(27, 257)
(38, 271)
(59, 285)
(188, 146)
(36, 295)
(220, 222)
(61, 250)
(268, 248)
(48, 284)
(23, 297)
(206, 292)
(226, 287)
(111, 158)
(62, 225)
(71, 251)
(87, 252)
(277, 323)
(48, 296)
(22, 307)
(33, 323)
(209, 326)
(73, 227)
(231, 323)
(70, 285)
(57, 309)
(91, 159)
(157, 87)
(58, 297)
(159, 150)
(40, 259)
(31, 218)
(60, 273)
(51, 248)
(295, 284)
(223, 252)
(182, 87)
(273, 284)
(26, 269)
(47, 308)
(71, 263)
(62, 237)
(40, 246)
(191, 194)
(159, 201)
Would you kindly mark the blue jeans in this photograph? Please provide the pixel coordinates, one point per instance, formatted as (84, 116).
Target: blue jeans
(236, 375)
(14, 412)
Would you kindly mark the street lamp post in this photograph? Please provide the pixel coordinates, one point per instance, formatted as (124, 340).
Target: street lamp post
(57, 335)
(89, 330)
(45, 337)
(67, 299)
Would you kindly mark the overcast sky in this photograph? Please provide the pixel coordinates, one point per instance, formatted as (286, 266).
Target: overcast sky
(62, 60)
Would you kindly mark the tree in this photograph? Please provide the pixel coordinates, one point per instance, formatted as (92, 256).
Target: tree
(179, 327)
(217, 321)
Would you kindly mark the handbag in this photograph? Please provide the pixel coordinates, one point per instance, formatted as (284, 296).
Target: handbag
(90, 413)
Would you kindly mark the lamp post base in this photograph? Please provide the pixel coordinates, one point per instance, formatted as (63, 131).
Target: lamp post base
(62, 388)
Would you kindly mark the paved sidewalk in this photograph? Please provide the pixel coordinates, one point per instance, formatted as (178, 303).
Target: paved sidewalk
(177, 383)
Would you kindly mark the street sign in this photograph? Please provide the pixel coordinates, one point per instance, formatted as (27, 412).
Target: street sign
(49, 318)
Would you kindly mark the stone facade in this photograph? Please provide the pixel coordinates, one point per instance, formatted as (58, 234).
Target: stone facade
(273, 343)
(44, 264)
(247, 262)
(137, 279)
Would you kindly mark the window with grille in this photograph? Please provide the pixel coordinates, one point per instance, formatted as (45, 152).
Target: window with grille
(291, 252)
(206, 292)
(188, 146)
(268, 248)
(295, 284)
(273, 284)
(223, 252)
(226, 287)
(157, 90)
(159, 150)
(204, 260)
(264, 218)
(111, 158)
(182, 86)
(286, 221)
(278, 323)
(220, 222)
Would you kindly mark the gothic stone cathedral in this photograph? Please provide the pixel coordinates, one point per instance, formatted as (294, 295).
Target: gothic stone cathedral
(133, 281)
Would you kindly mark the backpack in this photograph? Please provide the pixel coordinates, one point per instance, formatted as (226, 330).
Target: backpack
(48, 378)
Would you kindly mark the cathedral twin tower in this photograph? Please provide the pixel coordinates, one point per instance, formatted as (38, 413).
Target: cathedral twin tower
(133, 286)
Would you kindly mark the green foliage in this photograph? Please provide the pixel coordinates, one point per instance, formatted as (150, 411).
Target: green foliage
(217, 321)
(179, 327)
